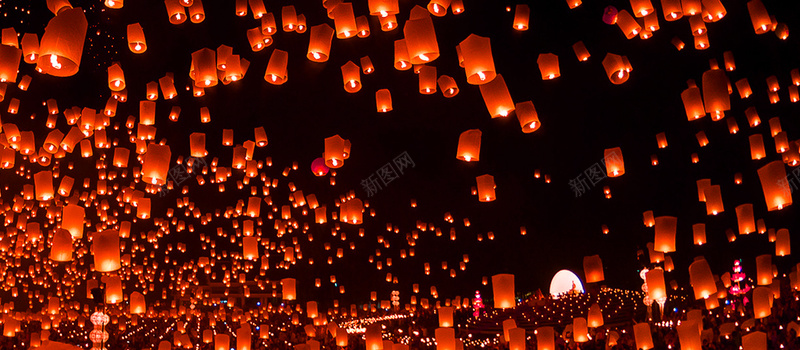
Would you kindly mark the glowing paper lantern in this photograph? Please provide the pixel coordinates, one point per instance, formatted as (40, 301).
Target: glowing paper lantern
(713, 197)
(782, 243)
(478, 60)
(72, 217)
(137, 304)
(548, 66)
(276, 73)
(105, 247)
(469, 145)
(715, 93)
(593, 269)
(334, 151)
(420, 37)
(156, 164)
(9, 64)
(136, 39)
(445, 316)
(61, 246)
(759, 16)
(62, 43)
(503, 291)
(30, 48)
(344, 20)
(665, 227)
(580, 51)
(497, 98)
(372, 336)
(545, 338)
(43, 182)
(615, 165)
(746, 219)
(222, 341)
(701, 279)
(448, 86)
(699, 234)
(427, 80)
(775, 185)
(764, 270)
(580, 330)
(693, 103)
(594, 318)
(204, 64)
(319, 44)
(486, 188)
(642, 335)
(401, 58)
(656, 288)
(527, 116)
(522, 15)
(617, 68)
(630, 28)
(383, 100)
(351, 75)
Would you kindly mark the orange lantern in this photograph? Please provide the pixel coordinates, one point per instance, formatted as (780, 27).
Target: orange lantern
(522, 15)
(503, 291)
(713, 199)
(62, 43)
(486, 188)
(420, 37)
(276, 73)
(43, 182)
(383, 100)
(656, 288)
(9, 64)
(746, 219)
(545, 338)
(693, 103)
(344, 20)
(469, 145)
(289, 288)
(548, 66)
(137, 304)
(593, 269)
(156, 164)
(699, 234)
(319, 45)
(136, 40)
(630, 28)
(478, 61)
(666, 227)
(615, 166)
(701, 279)
(715, 93)
(580, 51)
(580, 330)
(672, 10)
(61, 247)
(775, 185)
(204, 68)
(497, 98)
(782, 243)
(528, 118)
(72, 218)
(642, 335)
(289, 18)
(30, 47)
(759, 16)
(427, 80)
(617, 68)
(383, 8)
(401, 59)
(105, 247)
(595, 317)
(335, 151)
(351, 75)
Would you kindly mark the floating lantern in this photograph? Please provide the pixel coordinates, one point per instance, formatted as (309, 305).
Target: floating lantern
(344, 20)
(522, 15)
(136, 40)
(548, 66)
(617, 68)
(775, 185)
(580, 51)
(701, 279)
(352, 77)
(610, 14)
(497, 98)
(176, 11)
(503, 291)
(527, 116)
(319, 45)
(486, 188)
(105, 248)
(642, 335)
(62, 43)
(420, 37)
(713, 196)
(630, 28)
(666, 227)
(759, 16)
(448, 86)
(478, 61)
(276, 73)
(615, 165)
(593, 269)
(61, 246)
(383, 100)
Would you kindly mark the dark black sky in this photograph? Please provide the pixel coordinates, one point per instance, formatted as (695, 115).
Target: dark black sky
(581, 113)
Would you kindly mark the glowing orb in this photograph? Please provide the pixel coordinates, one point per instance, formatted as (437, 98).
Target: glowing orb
(564, 282)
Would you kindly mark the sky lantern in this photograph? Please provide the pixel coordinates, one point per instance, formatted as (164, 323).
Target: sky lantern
(642, 335)
(641, 8)
(113, 289)
(730, 63)
(438, 8)
(72, 217)
(548, 66)
(630, 28)
(156, 164)
(344, 20)
(486, 188)
(580, 51)
(757, 150)
(276, 73)
(420, 37)
(105, 248)
(197, 144)
(445, 316)
(175, 11)
(516, 338)
(61, 246)
(351, 75)
(43, 181)
(351, 211)
(478, 61)
(319, 45)
(743, 86)
(545, 338)
(448, 86)
(268, 26)
(30, 47)
(701, 279)
(427, 80)
(617, 68)
(503, 291)
(595, 316)
(615, 165)
(672, 10)
(689, 335)
(497, 97)
(759, 16)
(401, 58)
(57, 6)
(580, 330)
(752, 117)
(764, 270)
(713, 195)
(373, 338)
(136, 40)
(9, 63)
(334, 151)
(257, 39)
(649, 220)
(746, 219)
(469, 145)
(715, 93)
(656, 288)
(527, 116)
(783, 243)
(383, 100)
(775, 185)
(693, 103)
(593, 269)
(383, 8)
(62, 43)
(137, 304)
(699, 234)
(289, 18)
(222, 341)
(666, 227)
(204, 64)
(522, 15)
(762, 302)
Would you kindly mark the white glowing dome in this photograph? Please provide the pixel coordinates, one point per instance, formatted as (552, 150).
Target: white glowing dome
(565, 281)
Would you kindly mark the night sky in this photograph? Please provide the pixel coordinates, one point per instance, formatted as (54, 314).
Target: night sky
(581, 112)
